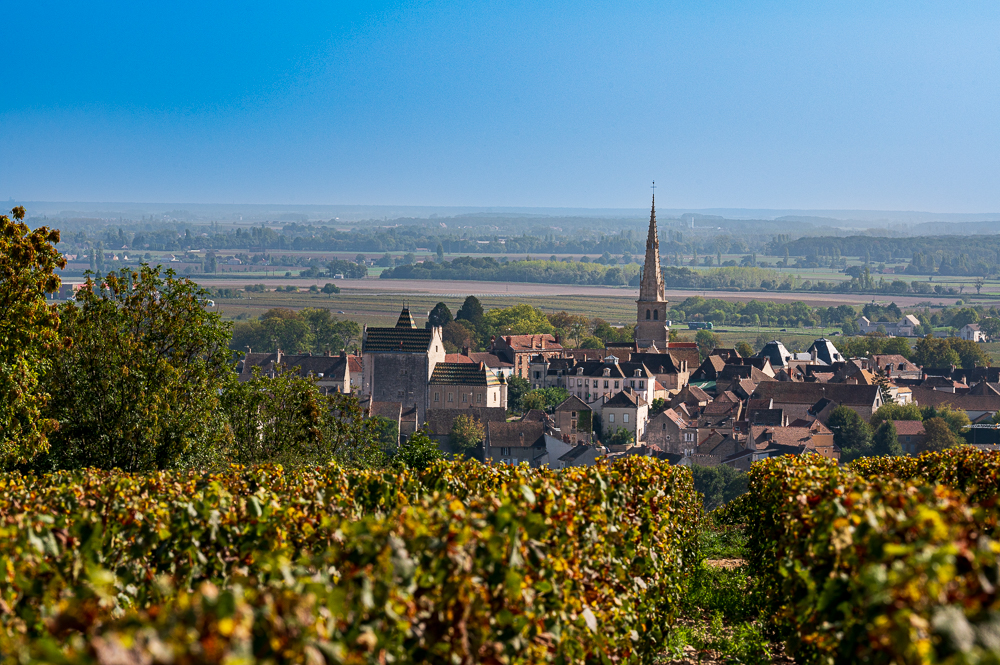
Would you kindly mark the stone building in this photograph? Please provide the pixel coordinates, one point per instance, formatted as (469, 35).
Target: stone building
(671, 432)
(651, 328)
(466, 385)
(398, 362)
(626, 410)
(520, 349)
(574, 419)
(516, 442)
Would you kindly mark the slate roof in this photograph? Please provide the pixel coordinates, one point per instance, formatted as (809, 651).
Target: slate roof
(463, 374)
(825, 351)
(439, 421)
(709, 370)
(575, 453)
(397, 340)
(626, 398)
(328, 366)
(925, 397)
(985, 388)
(773, 417)
(686, 351)
(573, 403)
(389, 410)
(658, 363)
(776, 352)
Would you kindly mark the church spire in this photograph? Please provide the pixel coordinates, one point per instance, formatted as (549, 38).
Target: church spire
(651, 287)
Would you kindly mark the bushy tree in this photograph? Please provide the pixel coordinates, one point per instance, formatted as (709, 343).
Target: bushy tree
(935, 352)
(621, 437)
(517, 388)
(707, 341)
(893, 411)
(418, 452)
(850, 433)
(466, 433)
(886, 441)
(439, 316)
(29, 335)
(718, 484)
(938, 435)
(956, 419)
(522, 319)
(139, 388)
(744, 349)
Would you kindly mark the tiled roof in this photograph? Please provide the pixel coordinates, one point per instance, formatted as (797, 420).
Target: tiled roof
(766, 416)
(764, 436)
(397, 340)
(439, 421)
(389, 410)
(531, 342)
(328, 366)
(626, 398)
(463, 374)
(515, 434)
(657, 363)
(534, 416)
(925, 397)
(909, 427)
(405, 320)
(810, 393)
(573, 403)
(575, 453)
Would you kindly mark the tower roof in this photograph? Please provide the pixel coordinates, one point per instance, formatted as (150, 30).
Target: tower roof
(651, 286)
(405, 320)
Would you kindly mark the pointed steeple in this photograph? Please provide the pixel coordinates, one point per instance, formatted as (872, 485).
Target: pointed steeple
(651, 286)
(405, 320)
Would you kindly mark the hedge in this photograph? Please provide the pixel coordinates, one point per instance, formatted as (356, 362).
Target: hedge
(882, 571)
(461, 563)
(974, 472)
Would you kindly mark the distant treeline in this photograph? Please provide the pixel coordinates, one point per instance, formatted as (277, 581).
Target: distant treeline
(926, 255)
(489, 269)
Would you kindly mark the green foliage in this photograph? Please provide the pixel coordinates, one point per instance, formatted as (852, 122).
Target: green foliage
(893, 411)
(349, 269)
(139, 388)
(658, 406)
(466, 433)
(418, 452)
(885, 442)
(873, 344)
(859, 571)
(591, 342)
(489, 269)
(517, 388)
(330, 288)
(543, 398)
(718, 484)
(956, 419)
(519, 319)
(706, 341)
(938, 436)
(440, 315)
(310, 330)
(850, 433)
(744, 349)
(621, 436)
(358, 565)
(29, 332)
(533, 399)
(935, 352)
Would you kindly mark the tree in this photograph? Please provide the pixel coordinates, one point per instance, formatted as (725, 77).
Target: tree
(139, 388)
(893, 411)
(533, 399)
(591, 342)
(440, 253)
(934, 352)
(956, 419)
(706, 341)
(418, 452)
(471, 311)
(970, 354)
(964, 316)
(330, 288)
(466, 433)
(517, 388)
(29, 334)
(744, 349)
(439, 316)
(458, 334)
(621, 437)
(979, 284)
(521, 319)
(211, 262)
(850, 433)
(718, 484)
(327, 332)
(886, 442)
(658, 406)
(938, 435)
(360, 259)
(991, 327)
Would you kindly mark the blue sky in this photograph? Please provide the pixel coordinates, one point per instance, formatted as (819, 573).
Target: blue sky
(875, 105)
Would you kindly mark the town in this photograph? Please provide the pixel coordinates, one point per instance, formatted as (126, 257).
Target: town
(655, 397)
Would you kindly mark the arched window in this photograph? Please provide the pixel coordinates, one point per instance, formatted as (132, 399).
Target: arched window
(647, 315)
(656, 315)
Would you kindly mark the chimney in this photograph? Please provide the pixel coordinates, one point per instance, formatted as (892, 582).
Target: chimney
(279, 356)
(343, 353)
(465, 351)
(542, 339)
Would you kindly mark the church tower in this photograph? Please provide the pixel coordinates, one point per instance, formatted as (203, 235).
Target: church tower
(651, 325)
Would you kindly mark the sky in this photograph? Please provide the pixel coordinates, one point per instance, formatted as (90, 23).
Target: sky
(806, 105)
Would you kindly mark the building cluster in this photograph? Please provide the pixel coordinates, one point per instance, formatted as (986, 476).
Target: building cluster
(671, 404)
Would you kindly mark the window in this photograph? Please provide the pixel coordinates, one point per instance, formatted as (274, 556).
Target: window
(572, 414)
(451, 397)
(656, 315)
(642, 384)
(647, 315)
(605, 384)
(437, 397)
(479, 398)
(611, 417)
(907, 439)
(689, 436)
(538, 375)
(505, 452)
(400, 393)
(664, 426)
(624, 417)
(632, 383)
(616, 384)
(495, 397)
(465, 398)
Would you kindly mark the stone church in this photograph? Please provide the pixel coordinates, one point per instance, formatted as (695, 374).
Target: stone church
(651, 330)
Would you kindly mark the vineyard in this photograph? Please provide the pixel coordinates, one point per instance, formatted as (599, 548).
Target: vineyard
(459, 563)
(888, 560)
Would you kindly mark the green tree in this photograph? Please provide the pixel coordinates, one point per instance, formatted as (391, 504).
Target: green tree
(418, 452)
(744, 349)
(517, 388)
(718, 484)
(533, 399)
(956, 419)
(934, 352)
(707, 341)
(471, 311)
(591, 342)
(850, 433)
(970, 353)
(466, 433)
(886, 441)
(991, 327)
(327, 332)
(211, 263)
(893, 411)
(964, 316)
(139, 388)
(330, 288)
(439, 316)
(29, 334)
(440, 253)
(658, 406)
(522, 319)
(621, 437)
(938, 435)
